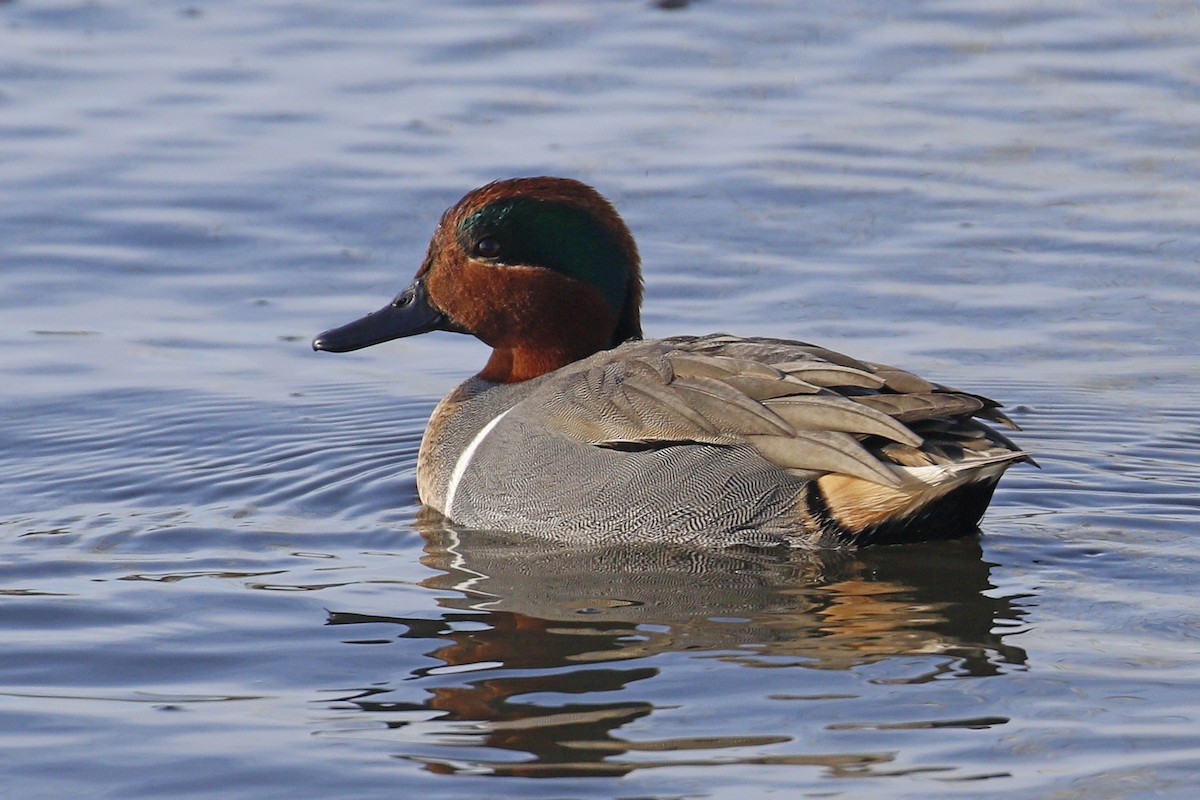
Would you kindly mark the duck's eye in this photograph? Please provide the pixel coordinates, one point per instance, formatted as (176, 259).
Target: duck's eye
(488, 247)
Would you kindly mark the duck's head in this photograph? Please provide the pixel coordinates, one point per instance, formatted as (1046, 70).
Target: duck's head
(541, 269)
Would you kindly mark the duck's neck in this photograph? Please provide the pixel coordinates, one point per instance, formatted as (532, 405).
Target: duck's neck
(513, 365)
(565, 339)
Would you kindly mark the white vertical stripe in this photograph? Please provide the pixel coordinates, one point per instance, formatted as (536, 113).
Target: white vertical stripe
(464, 460)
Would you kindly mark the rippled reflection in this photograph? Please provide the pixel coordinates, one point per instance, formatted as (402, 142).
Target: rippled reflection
(528, 624)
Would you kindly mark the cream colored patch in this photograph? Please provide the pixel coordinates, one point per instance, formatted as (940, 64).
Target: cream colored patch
(857, 504)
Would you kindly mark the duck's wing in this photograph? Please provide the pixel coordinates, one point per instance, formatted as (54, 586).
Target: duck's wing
(805, 408)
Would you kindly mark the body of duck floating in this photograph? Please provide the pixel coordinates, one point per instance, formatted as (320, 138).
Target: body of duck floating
(577, 427)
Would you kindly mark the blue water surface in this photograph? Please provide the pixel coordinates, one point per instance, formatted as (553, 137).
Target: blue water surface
(215, 578)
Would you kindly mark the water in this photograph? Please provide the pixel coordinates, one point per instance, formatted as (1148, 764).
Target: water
(214, 577)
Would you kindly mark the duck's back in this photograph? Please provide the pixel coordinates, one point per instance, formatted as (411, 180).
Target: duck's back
(716, 439)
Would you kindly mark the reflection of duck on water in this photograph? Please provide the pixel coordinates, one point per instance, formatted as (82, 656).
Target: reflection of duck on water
(543, 608)
(834, 608)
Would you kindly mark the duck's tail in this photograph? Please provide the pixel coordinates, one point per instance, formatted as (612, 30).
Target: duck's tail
(938, 501)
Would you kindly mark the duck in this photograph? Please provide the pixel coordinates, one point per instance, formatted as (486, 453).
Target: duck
(578, 428)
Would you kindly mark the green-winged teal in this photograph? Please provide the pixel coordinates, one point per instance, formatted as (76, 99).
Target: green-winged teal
(578, 427)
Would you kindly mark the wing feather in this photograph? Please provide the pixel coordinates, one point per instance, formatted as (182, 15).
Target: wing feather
(807, 409)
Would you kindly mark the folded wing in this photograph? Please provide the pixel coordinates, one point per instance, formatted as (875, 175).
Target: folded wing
(805, 408)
